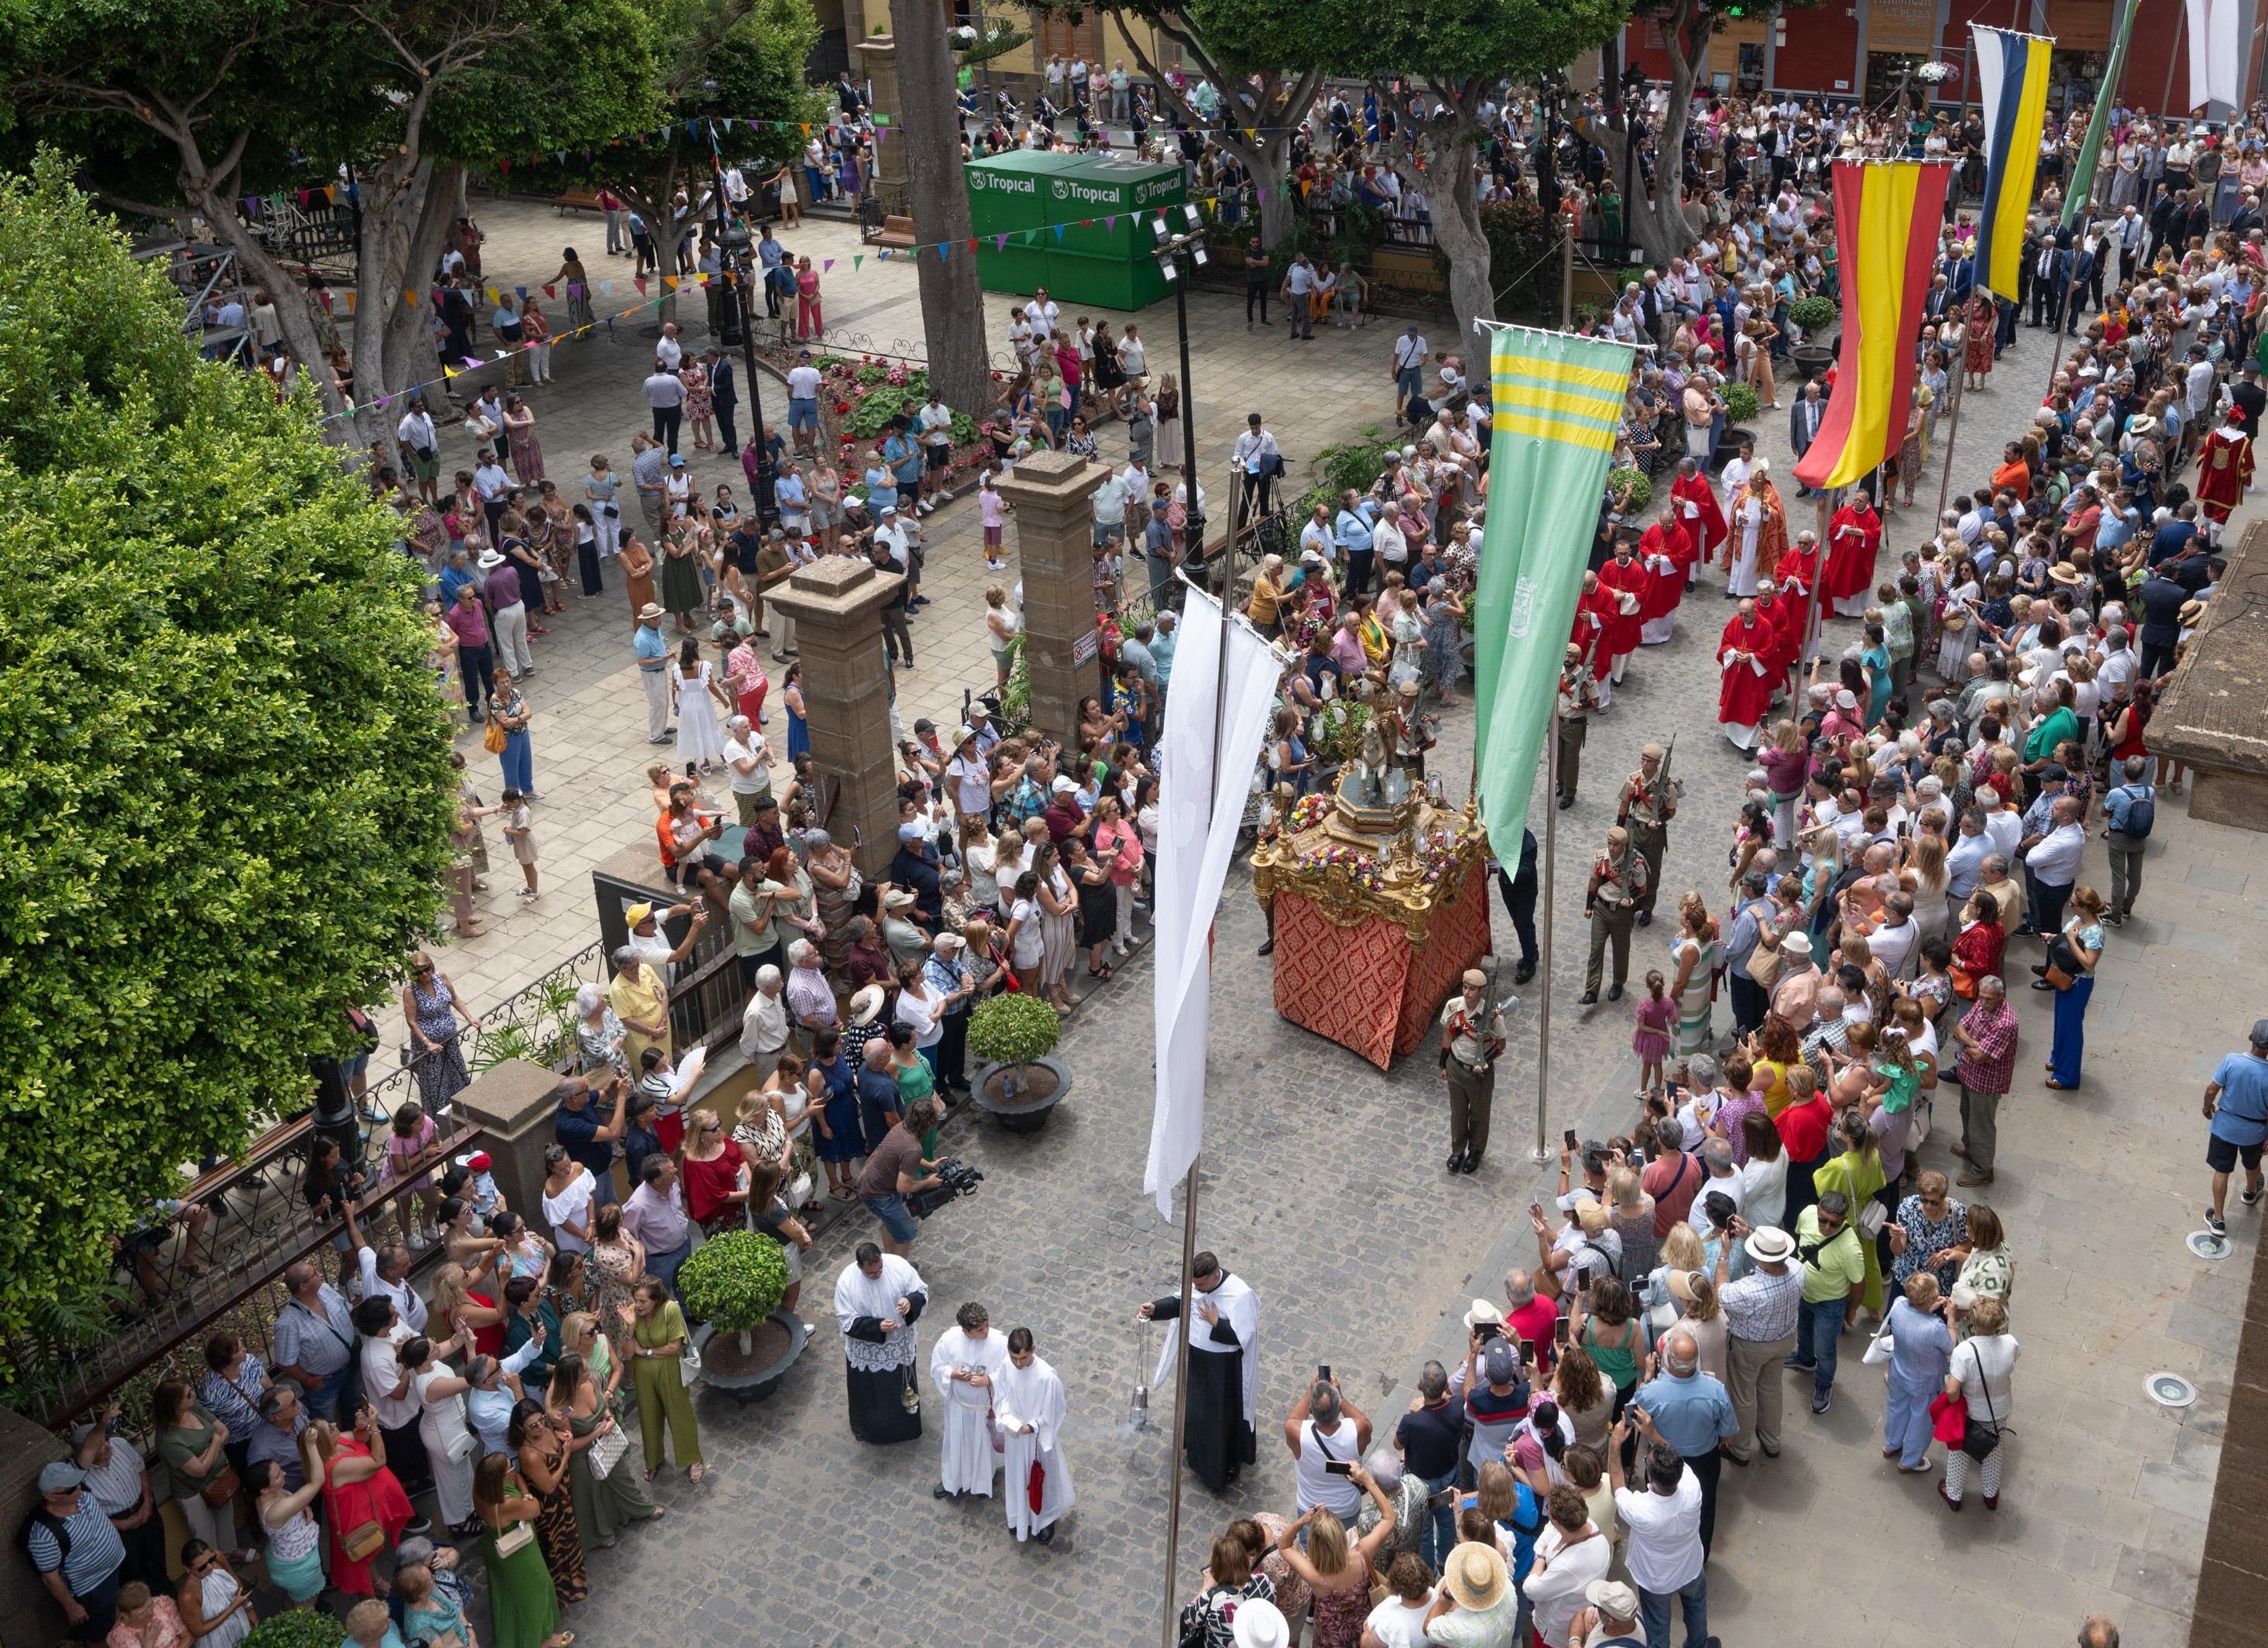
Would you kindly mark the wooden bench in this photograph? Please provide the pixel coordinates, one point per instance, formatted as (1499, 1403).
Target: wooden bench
(576, 200)
(897, 234)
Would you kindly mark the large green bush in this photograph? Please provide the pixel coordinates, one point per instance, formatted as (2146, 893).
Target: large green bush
(734, 1281)
(302, 1627)
(1740, 402)
(1813, 314)
(224, 795)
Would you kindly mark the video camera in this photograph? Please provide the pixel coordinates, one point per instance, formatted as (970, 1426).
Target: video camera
(955, 1178)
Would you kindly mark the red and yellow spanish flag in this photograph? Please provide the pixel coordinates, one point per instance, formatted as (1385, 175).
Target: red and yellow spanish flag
(1887, 215)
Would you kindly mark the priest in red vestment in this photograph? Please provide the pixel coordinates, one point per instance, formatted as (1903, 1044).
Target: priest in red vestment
(1697, 510)
(1622, 592)
(2224, 470)
(1798, 568)
(1744, 653)
(1665, 552)
(1853, 538)
(1772, 607)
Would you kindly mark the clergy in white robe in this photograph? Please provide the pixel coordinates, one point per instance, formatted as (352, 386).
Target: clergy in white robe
(1224, 1338)
(1748, 519)
(966, 1363)
(878, 1299)
(1027, 1405)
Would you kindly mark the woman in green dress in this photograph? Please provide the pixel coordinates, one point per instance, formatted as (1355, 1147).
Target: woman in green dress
(603, 1502)
(1857, 1174)
(1693, 983)
(524, 1610)
(659, 1339)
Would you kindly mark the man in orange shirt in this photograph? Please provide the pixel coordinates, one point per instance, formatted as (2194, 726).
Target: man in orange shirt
(2014, 474)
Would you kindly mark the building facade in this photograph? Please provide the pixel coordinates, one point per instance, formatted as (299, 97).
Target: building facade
(1863, 48)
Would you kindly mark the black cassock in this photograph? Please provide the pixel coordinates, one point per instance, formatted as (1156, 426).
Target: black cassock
(879, 1413)
(1216, 1439)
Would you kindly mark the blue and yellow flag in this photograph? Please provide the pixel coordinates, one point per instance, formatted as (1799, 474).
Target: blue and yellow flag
(2012, 78)
(1558, 402)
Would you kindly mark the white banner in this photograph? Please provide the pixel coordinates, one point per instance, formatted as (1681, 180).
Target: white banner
(1200, 804)
(2216, 61)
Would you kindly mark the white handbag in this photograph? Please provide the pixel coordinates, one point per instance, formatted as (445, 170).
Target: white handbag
(515, 1539)
(1878, 1348)
(608, 1451)
(689, 1364)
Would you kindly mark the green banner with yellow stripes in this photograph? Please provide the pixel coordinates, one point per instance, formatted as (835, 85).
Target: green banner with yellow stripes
(1558, 401)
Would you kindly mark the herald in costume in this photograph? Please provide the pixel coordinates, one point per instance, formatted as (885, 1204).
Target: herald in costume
(2224, 471)
(1028, 1405)
(1224, 1390)
(878, 1299)
(1744, 652)
(965, 1366)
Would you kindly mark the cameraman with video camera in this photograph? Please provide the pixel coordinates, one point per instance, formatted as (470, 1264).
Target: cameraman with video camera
(896, 1170)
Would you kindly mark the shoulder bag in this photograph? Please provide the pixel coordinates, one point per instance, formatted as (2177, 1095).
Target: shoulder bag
(607, 1452)
(510, 1543)
(493, 740)
(365, 1540)
(1979, 1441)
(1868, 1216)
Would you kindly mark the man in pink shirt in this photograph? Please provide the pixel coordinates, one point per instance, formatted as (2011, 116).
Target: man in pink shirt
(468, 621)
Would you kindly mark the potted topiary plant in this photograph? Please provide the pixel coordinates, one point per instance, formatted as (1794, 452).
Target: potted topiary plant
(1014, 1032)
(1811, 317)
(731, 1288)
(1639, 484)
(299, 1629)
(1740, 404)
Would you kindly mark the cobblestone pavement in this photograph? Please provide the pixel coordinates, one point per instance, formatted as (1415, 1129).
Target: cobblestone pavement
(1322, 1187)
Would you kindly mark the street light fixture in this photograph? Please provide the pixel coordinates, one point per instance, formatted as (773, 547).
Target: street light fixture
(736, 261)
(1171, 248)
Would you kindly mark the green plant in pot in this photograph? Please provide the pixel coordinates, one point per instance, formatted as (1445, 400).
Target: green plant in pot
(1740, 404)
(297, 1630)
(1638, 484)
(1812, 315)
(734, 1283)
(1015, 1030)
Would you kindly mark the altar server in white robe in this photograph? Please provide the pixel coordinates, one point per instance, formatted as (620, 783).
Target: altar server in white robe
(965, 1366)
(1223, 1334)
(1027, 1405)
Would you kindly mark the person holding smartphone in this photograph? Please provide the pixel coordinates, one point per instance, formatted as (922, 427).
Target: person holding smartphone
(1324, 1430)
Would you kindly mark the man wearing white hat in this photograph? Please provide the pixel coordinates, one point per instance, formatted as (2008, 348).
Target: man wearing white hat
(653, 652)
(1474, 1606)
(1611, 1620)
(1260, 1623)
(1760, 1322)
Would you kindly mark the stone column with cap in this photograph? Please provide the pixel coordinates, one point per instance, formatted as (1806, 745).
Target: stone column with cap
(1055, 545)
(836, 603)
(888, 185)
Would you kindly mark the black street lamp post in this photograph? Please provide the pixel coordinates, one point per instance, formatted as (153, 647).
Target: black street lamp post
(736, 262)
(1171, 249)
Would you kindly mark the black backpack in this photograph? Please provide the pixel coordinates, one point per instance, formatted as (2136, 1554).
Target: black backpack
(41, 1516)
(2141, 811)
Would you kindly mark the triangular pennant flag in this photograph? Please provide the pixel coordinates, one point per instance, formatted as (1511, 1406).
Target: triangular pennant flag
(1059, 229)
(504, 354)
(559, 155)
(807, 132)
(331, 193)
(472, 363)
(504, 167)
(639, 281)
(861, 258)
(972, 243)
(548, 292)
(881, 120)
(728, 125)
(825, 264)
(605, 290)
(409, 297)
(1111, 222)
(350, 309)
(1086, 223)
(522, 291)
(492, 294)
(669, 282)
(1002, 243)
(943, 247)
(692, 128)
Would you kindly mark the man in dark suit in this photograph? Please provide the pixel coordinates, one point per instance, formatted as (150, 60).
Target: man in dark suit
(2249, 397)
(724, 392)
(1939, 298)
(1961, 277)
(1803, 422)
(2050, 270)
(2081, 277)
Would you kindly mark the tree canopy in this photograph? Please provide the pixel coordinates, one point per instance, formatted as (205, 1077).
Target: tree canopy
(225, 790)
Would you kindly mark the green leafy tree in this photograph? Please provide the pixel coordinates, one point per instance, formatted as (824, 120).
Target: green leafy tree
(1457, 53)
(225, 790)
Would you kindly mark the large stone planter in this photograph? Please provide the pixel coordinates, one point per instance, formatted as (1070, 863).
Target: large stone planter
(1038, 1088)
(754, 1374)
(1811, 359)
(1728, 447)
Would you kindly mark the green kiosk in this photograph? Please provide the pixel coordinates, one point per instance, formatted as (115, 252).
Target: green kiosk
(1075, 224)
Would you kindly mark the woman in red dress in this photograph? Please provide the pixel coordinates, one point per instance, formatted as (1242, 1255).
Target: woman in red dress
(359, 1490)
(1976, 347)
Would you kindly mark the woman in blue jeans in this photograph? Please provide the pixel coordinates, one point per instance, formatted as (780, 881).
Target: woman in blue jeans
(512, 714)
(2080, 943)
(1921, 1330)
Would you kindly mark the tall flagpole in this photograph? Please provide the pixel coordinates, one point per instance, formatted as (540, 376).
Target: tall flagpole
(1169, 1634)
(1543, 1006)
(2090, 157)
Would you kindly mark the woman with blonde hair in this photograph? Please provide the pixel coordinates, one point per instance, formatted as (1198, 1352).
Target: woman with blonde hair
(1339, 1570)
(1920, 1331)
(1630, 1215)
(1703, 1318)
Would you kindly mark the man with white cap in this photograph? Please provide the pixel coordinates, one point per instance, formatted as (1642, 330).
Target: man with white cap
(653, 652)
(1472, 1039)
(1611, 1620)
(1760, 1314)
(76, 1551)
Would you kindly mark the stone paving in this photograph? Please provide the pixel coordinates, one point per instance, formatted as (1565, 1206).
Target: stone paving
(1322, 1187)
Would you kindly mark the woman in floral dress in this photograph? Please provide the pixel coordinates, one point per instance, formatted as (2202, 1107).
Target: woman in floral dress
(519, 435)
(617, 1260)
(700, 407)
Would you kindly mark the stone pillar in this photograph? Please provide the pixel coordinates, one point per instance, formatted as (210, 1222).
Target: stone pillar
(512, 1102)
(1054, 541)
(836, 603)
(879, 54)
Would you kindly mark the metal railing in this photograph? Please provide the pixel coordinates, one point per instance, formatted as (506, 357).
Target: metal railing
(212, 1258)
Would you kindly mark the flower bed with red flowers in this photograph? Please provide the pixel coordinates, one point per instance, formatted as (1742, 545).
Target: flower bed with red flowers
(863, 395)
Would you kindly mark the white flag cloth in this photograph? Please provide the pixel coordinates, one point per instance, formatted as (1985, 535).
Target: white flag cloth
(2216, 60)
(1200, 804)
